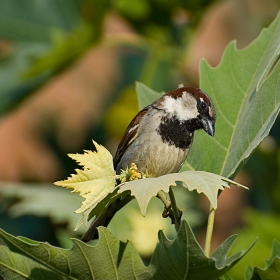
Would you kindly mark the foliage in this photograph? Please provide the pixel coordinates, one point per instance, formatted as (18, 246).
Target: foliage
(244, 90)
(45, 38)
(272, 268)
(248, 84)
(203, 182)
(95, 180)
(238, 96)
(266, 227)
(35, 30)
(181, 258)
(41, 200)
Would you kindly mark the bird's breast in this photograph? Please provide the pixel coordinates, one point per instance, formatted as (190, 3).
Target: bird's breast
(161, 146)
(154, 156)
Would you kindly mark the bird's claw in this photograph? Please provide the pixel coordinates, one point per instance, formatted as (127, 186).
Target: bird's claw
(169, 214)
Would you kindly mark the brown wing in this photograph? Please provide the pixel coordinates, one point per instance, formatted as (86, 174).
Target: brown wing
(129, 136)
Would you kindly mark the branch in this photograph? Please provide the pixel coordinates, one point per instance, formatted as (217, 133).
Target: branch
(170, 210)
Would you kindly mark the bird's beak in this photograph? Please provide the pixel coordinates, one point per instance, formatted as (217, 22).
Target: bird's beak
(208, 126)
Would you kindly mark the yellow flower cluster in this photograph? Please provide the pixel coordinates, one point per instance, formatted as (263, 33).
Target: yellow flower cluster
(131, 174)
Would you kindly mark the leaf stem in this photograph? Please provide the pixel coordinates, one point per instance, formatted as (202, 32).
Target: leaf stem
(177, 219)
(164, 199)
(209, 232)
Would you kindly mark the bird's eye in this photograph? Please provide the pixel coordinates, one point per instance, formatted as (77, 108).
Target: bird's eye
(203, 106)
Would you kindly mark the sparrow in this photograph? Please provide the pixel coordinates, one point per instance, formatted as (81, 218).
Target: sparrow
(159, 138)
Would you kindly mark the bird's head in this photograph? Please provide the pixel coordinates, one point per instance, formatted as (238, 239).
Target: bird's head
(190, 106)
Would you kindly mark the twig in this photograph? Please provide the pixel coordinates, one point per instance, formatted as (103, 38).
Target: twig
(176, 212)
(209, 232)
(170, 210)
(164, 199)
(167, 212)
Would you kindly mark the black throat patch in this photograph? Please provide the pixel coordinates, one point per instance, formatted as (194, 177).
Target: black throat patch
(178, 133)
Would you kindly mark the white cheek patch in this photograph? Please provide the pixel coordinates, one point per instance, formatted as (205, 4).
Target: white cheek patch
(169, 104)
(184, 107)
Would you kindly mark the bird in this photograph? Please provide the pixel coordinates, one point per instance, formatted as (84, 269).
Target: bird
(159, 138)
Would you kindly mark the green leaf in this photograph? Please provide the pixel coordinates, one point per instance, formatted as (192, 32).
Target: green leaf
(266, 226)
(109, 259)
(28, 29)
(272, 269)
(275, 252)
(183, 258)
(202, 182)
(221, 252)
(245, 91)
(146, 95)
(24, 21)
(13, 89)
(76, 42)
(270, 273)
(226, 277)
(15, 266)
(42, 200)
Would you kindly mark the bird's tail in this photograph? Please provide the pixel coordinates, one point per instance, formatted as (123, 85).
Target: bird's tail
(105, 218)
(92, 232)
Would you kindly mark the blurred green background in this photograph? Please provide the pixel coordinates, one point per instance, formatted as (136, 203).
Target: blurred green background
(67, 75)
